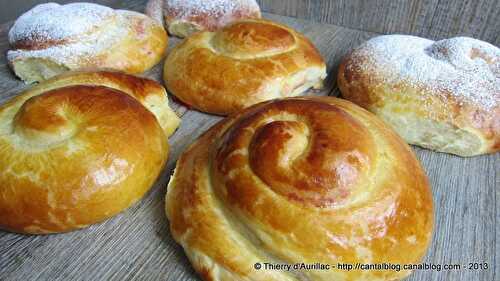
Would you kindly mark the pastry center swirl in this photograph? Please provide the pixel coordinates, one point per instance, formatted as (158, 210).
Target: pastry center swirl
(296, 150)
(58, 115)
(246, 40)
(45, 119)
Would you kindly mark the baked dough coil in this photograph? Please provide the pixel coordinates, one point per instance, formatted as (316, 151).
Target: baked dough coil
(51, 38)
(242, 64)
(300, 180)
(80, 148)
(185, 17)
(441, 95)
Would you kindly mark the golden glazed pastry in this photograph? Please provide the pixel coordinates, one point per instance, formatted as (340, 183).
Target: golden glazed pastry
(442, 95)
(242, 64)
(300, 180)
(184, 17)
(80, 148)
(51, 38)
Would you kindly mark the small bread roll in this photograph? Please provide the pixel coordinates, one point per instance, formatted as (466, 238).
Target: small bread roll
(242, 64)
(442, 95)
(51, 38)
(314, 180)
(184, 17)
(80, 148)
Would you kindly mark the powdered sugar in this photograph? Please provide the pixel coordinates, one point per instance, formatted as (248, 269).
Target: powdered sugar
(185, 9)
(55, 22)
(67, 34)
(466, 68)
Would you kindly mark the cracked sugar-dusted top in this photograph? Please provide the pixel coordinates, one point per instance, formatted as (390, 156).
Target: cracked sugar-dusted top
(49, 23)
(85, 35)
(209, 8)
(211, 14)
(465, 68)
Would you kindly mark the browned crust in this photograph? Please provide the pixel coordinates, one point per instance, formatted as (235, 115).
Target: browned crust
(79, 152)
(226, 71)
(357, 188)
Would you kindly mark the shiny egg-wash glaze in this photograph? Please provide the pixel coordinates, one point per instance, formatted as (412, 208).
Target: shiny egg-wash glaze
(80, 148)
(242, 64)
(312, 180)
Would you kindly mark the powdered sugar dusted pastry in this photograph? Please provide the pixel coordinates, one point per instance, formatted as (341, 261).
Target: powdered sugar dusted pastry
(443, 95)
(183, 17)
(52, 38)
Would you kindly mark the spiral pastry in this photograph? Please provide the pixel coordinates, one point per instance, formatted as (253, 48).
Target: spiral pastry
(300, 180)
(80, 148)
(51, 38)
(441, 95)
(184, 17)
(242, 64)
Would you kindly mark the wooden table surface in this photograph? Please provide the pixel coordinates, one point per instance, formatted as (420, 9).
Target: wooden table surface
(137, 244)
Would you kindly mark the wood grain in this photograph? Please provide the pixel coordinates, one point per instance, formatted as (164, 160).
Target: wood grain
(434, 19)
(137, 245)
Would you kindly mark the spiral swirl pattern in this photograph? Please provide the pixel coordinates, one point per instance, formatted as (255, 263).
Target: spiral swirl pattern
(80, 148)
(300, 180)
(242, 64)
(51, 39)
